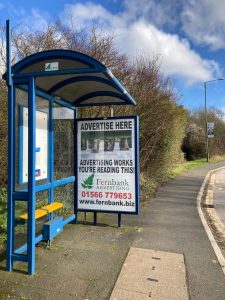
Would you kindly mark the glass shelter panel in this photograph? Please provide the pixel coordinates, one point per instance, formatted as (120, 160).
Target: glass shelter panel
(63, 142)
(65, 195)
(21, 139)
(42, 140)
(21, 135)
(42, 199)
(20, 224)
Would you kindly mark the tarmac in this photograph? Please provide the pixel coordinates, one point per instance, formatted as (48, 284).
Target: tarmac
(164, 253)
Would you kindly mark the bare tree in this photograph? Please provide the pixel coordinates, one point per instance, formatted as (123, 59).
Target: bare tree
(162, 120)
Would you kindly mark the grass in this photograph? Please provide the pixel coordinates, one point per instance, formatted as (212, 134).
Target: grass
(182, 167)
(3, 215)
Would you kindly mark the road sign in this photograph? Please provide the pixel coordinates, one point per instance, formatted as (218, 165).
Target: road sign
(210, 129)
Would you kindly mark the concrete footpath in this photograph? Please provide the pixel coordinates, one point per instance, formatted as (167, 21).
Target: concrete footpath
(172, 224)
(219, 194)
(167, 242)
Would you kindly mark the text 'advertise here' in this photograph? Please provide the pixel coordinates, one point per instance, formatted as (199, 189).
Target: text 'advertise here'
(107, 165)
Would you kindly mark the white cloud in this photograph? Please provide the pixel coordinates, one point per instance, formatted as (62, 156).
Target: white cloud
(83, 15)
(201, 20)
(177, 56)
(157, 12)
(36, 20)
(204, 23)
(135, 35)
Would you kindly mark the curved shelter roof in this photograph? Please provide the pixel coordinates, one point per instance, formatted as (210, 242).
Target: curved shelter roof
(74, 77)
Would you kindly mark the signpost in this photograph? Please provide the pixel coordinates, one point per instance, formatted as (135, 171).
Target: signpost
(210, 129)
(107, 165)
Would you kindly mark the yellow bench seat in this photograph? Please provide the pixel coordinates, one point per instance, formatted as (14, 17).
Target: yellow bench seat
(43, 211)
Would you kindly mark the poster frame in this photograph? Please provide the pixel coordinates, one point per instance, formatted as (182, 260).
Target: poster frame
(136, 155)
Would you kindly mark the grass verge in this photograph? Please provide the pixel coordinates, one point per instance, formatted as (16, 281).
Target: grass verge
(182, 167)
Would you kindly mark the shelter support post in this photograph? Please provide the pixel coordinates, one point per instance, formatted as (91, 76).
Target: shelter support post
(119, 220)
(51, 153)
(10, 204)
(95, 218)
(31, 175)
(75, 181)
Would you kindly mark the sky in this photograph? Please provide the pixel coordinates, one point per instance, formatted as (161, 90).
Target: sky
(187, 35)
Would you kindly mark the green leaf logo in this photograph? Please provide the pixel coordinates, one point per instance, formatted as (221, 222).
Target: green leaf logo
(88, 183)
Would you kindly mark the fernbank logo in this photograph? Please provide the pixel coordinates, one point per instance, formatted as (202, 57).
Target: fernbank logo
(52, 66)
(88, 183)
(113, 184)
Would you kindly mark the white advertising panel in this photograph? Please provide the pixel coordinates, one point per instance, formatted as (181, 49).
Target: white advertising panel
(106, 165)
(41, 170)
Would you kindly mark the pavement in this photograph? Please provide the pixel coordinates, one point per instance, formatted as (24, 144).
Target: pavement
(87, 262)
(219, 194)
(172, 224)
(151, 274)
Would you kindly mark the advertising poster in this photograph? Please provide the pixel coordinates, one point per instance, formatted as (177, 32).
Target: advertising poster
(210, 129)
(107, 163)
(41, 150)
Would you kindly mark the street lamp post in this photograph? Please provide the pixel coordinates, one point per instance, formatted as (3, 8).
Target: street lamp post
(206, 119)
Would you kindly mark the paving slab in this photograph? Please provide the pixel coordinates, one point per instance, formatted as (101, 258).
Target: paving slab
(151, 274)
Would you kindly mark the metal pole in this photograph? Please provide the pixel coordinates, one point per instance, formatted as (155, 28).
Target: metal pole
(75, 165)
(111, 111)
(119, 220)
(11, 110)
(8, 54)
(206, 120)
(206, 128)
(51, 153)
(95, 218)
(31, 175)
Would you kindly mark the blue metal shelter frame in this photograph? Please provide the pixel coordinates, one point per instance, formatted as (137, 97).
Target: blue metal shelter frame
(79, 81)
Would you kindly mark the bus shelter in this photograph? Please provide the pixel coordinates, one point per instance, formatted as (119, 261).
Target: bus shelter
(44, 90)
